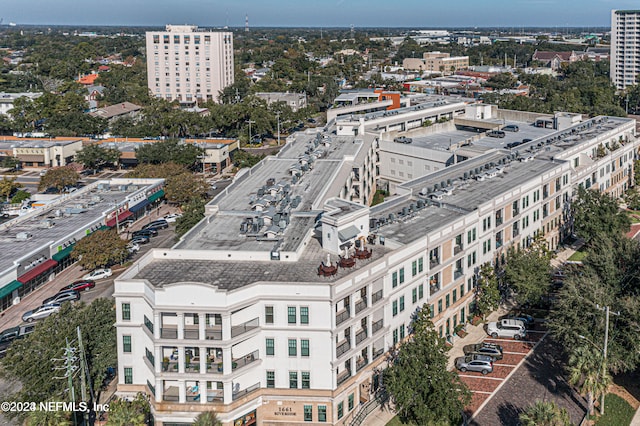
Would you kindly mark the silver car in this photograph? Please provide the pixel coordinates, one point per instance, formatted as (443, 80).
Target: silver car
(41, 313)
(480, 363)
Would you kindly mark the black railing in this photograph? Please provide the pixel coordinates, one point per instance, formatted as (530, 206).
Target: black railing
(246, 391)
(376, 297)
(377, 326)
(342, 377)
(434, 288)
(361, 363)
(342, 348)
(360, 305)
(457, 249)
(342, 316)
(377, 352)
(213, 334)
(191, 333)
(168, 333)
(237, 330)
(245, 360)
(361, 335)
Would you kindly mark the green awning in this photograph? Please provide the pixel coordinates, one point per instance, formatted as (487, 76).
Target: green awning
(153, 197)
(104, 228)
(63, 254)
(8, 289)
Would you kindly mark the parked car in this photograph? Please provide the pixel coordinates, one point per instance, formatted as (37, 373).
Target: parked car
(149, 232)
(496, 134)
(41, 313)
(139, 239)
(526, 319)
(158, 224)
(507, 328)
(79, 285)
(480, 363)
(63, 296)
(133, 247)
(10, 334)
(170, 218)
(98, 274)
(489, 349)
(511, 128)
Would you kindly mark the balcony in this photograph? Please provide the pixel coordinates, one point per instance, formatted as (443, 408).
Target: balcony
(191, 333)
(361, 363)
(342, 316)
(342, 348)
(245, 360)
(377, 352)
(499, 220)
(458, 273)
(361, 335)
(169, 333)
(238, 330)
(213, 333)
(360, 305)
(170, 366)
(457, 249)
(434, 261)
(245, 392)
(342, 377)
(498, 244)
(377, 326)
(376, 297)
(192, 367)
(214, 367)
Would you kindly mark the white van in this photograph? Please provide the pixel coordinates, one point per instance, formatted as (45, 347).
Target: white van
(507, 328)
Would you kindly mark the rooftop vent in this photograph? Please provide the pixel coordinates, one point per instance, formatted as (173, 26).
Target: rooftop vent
(23, 236)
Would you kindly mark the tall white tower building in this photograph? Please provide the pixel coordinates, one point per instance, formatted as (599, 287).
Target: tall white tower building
(625, 47)
(187, 64)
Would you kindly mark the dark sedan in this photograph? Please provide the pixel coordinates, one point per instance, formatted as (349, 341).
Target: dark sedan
(79, 285)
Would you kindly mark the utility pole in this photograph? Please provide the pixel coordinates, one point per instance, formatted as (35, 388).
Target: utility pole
(249, 121)
(70, 368)
(83, 375)
(604, 349)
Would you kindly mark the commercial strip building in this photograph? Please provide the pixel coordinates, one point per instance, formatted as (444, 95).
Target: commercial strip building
(41, 153)
(188, 64)
(37, 245)
(278, 306)
(625, 49)
(437, 62)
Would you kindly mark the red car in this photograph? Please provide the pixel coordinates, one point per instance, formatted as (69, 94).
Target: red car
(79, 285)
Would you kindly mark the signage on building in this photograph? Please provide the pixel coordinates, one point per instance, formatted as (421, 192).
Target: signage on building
(248, 419)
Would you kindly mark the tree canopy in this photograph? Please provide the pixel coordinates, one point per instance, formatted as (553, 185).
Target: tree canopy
(59, 177)
(545, 413)
(100, 249)
(487, 293)
(181, 186)
(169, 151)
(34, 360)
(423, 390)
(528, 271)
(596, 213)
(96, 157)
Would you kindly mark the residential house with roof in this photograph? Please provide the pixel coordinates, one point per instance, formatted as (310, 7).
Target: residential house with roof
(554, 60)
(118, 111)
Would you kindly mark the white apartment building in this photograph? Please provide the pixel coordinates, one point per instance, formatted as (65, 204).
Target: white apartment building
(278, 307)
(188, 64)
(625, 47)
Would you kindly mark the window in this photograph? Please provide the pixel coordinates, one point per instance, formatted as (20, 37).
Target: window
(148, 324)
(304, 347)
(268, 314)
(414, 268)
(394, 279)
(126, 311)
(461, 289)
(395, 308)
(340, 409)
(270, 343)
(126, 344)
(401, 275)
(293, 347)
(304, 315)
(292, 314)
(455, 295)
(322, 413)
(128, 376)
(432, 311)
(271, 379)
(293, 380)
(395, 336)
(306, 380)
(308, 413)
(401, 303)
(402, 331)
(439, 305)
(414, 295)
(447, 300)
(420, 264)
(420, 291)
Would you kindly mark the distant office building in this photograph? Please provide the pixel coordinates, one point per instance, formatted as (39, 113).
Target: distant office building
(296, 101)
(625, 50)
(188, 64)
(437, 62)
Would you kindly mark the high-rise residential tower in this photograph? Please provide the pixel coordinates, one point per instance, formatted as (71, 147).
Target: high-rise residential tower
(188, 64)
(625, 47)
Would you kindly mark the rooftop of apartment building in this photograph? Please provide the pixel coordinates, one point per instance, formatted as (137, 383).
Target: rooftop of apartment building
(62, 217)
(34, 143)
(429, 102)
(290, 207)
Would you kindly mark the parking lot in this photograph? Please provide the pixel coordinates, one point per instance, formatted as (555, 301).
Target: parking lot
(514, 353)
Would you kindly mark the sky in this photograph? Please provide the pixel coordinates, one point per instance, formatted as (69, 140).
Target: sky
(317, 13)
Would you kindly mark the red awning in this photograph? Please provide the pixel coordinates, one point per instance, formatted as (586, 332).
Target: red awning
(122, 216)
(37, 271)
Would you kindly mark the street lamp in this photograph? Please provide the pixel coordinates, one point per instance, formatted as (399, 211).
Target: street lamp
(249, 121)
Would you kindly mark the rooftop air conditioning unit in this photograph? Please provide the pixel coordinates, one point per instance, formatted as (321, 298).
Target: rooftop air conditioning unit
(23, 236)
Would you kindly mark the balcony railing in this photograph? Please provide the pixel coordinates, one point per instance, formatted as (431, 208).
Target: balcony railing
(377, 352)
(457, 249)
(498, 220)
(376, 297)
(361, 363)
(170, 367)
(434, 288)
(498, 244)
(360, 305)
(377, 326)
(457, 273)
(169, 333)
(246, 391)
(361, 335)
(342, 316)
(237, 330)
(214, 367)
(191, 333)
(434, 261)
(245, 360)
(192, 367)
(342, 348)
(213, 333)
(342, 377)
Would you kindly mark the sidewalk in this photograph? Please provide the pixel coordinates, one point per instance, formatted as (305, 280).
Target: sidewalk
(636, 419)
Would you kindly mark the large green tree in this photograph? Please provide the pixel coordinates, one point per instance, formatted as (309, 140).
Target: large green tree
(595, 213)
(35, 360)
(100, 249)
(181, 185)
(193, 213)
(128, 413)
(528, 271)
(8, 186)
(169, 151)
(96, 156)
(423, 390)
(487, 292)
(58, 178)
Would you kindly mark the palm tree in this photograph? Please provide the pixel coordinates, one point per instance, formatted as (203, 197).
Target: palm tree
(544, 413)
(125, 413)
(586, 370)
(207, 418)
